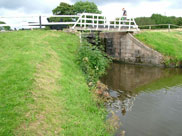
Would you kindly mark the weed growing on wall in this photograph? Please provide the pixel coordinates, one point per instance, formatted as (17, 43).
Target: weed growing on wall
(92, 61)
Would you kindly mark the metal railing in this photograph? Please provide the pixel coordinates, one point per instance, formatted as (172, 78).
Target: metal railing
(169, 27)
(99, 22)
(87, 21)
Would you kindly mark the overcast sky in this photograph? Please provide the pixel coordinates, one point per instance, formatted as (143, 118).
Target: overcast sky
(110, 8)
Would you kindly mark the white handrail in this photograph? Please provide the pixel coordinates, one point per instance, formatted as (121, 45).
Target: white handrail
(90, 21)
(77, 22)
(127, 23)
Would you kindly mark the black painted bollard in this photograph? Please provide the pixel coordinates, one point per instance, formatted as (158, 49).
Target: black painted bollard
(40, 22)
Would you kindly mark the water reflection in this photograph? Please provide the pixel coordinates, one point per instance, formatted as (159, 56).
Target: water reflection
(121, 102)
(145, 99)
(132, 79)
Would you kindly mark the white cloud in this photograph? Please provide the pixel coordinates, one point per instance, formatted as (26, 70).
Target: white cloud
(42, 7)
(29, 7)
(143, 9)
(113, 10)
(110, 9)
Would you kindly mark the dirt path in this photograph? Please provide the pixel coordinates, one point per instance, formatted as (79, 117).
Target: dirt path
(44, 117)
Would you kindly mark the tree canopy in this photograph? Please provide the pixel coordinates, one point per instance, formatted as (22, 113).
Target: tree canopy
(1, 22)
(63, 9)
(88, 7)
(159, 19)
(67, 9)
(78, 7)
(4, 27)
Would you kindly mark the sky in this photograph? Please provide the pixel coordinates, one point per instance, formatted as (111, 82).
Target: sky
(110, 8)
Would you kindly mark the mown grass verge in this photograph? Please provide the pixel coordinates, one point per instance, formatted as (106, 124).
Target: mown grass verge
(167, 43)
(43, 90)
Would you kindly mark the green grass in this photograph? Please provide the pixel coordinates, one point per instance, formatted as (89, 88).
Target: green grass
(167, 43)
(42, 89)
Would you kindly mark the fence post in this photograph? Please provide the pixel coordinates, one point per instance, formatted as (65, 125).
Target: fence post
(81, 20)
(97, 22)
(169, 27)
(108, 25)
(80, 33)
(150, 27)
(85, 21)
(119, 24)
(40, 22)
(135, 24)
(129, 23)
(93, 21)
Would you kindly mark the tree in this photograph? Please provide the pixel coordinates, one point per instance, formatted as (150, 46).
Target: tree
(144, 21)
(67, 9)
(159, 19)
(63, 9)
(179, 21)
(88, 7)
(78, 7)
(4, 27)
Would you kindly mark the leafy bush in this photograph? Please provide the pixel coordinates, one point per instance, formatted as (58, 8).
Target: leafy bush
(92, 61)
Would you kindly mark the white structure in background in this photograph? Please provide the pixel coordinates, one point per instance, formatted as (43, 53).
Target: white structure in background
(19, 22)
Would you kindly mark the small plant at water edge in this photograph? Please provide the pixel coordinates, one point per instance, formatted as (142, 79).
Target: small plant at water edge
(93, 62)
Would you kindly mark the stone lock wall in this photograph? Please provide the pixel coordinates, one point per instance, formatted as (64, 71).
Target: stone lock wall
(126, 48)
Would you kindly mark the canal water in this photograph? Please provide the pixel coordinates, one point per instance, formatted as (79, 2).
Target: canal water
(146, 101)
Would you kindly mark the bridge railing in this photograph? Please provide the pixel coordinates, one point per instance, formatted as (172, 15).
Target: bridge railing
(98, 21)
(168, 27)
(17, 21)
(88, 21)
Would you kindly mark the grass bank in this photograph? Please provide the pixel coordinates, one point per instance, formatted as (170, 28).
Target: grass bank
(167, 43)
(42, 89)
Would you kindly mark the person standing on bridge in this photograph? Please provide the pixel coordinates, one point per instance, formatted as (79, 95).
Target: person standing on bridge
(124, 17)
(124, 14)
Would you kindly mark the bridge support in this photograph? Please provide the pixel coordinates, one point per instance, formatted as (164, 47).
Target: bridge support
(124, 47)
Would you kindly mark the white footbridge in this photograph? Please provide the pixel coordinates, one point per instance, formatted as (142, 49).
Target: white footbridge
(86, 21)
